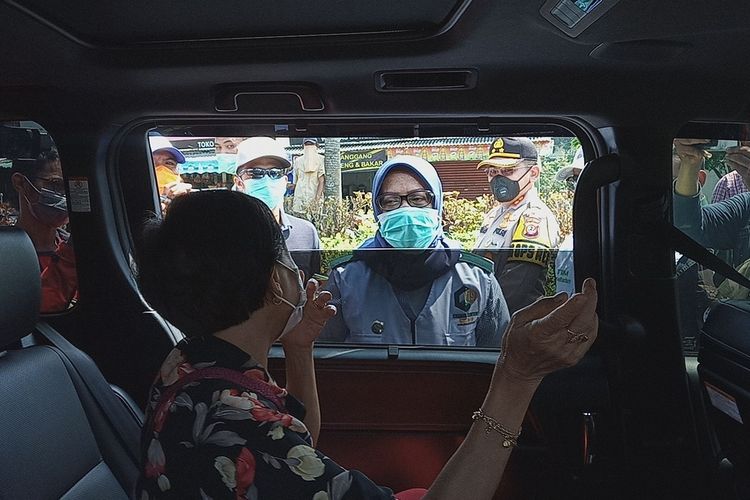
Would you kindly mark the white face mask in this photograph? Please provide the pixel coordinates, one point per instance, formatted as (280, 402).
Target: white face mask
(297, 309)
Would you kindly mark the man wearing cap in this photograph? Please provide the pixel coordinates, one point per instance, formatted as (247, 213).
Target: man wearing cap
(166, 160)
(309, 177)
(564, 273)
(262, 166)
(519, 233)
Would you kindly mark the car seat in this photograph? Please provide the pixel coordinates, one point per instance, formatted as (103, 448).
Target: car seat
(65, 433)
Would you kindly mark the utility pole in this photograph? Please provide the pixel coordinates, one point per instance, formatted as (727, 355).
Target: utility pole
(332, 152)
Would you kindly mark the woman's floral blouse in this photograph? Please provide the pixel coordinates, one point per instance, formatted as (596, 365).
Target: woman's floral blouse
(215, 440)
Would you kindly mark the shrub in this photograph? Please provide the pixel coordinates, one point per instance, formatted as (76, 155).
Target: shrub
(462, 217)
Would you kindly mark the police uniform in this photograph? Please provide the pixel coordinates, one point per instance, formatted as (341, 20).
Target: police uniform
(518, 236)
(462, 307)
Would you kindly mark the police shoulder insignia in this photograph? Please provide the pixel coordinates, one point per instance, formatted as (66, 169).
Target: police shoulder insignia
(531, 227)
(465, 297)
(530, 242)
(476, 260)
(532, 230)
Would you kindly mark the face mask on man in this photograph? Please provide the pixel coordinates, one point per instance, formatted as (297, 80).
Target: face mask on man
(298, 309)
(269, 191)
(50, 208)
(165, 176)
(505, 189)
(410, 227)
(226, 162)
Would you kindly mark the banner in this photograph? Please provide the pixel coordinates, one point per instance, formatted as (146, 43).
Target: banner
(351, 160)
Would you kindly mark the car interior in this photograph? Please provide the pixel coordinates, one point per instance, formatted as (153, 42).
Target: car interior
(657, 407)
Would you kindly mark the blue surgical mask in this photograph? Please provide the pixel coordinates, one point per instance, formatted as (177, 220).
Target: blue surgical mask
(269, 191)
(410, 227)
(227, 162)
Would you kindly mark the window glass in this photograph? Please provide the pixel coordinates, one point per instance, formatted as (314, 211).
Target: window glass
(711, 204)
(427, 241)
(33, 197)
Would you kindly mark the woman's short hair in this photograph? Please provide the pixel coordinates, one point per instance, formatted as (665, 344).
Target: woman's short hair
(207, 265)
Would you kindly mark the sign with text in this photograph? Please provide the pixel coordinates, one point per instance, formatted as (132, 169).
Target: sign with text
(374, 158)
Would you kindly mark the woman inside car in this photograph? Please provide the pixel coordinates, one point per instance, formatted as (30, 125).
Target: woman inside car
(217, 424)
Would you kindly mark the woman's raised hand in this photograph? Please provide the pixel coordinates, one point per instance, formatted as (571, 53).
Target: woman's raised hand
(316, 312)
(552, 333)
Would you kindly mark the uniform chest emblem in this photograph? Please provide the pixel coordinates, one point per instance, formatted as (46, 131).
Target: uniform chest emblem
(505, 221)
(465, 297)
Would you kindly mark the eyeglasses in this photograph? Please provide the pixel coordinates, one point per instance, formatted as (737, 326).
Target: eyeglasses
(258, 173)
(419, 198)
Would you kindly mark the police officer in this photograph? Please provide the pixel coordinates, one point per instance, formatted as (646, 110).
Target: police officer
(520, 232)
(409, 284)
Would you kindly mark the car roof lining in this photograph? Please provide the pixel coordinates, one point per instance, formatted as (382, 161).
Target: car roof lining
(111, 23)
(524, 65)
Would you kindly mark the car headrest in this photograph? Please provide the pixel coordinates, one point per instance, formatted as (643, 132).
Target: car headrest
(21, 290)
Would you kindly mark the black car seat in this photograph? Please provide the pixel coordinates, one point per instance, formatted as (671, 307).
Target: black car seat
(724, 370)
(64, 433)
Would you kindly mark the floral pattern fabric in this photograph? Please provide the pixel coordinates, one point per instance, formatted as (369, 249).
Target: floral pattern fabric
(213, 440)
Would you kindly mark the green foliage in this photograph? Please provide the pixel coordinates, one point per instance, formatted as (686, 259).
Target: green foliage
(716, 164)
(462, 217)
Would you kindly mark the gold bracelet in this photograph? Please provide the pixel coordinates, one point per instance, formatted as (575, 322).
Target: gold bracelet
(509, 438)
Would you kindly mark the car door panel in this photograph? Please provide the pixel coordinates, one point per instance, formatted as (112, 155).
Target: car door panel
(400, 420)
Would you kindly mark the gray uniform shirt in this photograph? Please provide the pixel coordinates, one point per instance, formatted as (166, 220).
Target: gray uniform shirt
(302, 242)
(464, 307)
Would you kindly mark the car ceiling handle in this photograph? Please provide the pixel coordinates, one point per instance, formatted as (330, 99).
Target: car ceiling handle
(226, 96)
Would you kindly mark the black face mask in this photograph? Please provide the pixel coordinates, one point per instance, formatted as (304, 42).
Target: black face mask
(505, 189)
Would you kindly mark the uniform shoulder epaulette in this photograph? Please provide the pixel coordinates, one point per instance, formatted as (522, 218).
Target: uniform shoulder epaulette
(340, 261)
(477, 260)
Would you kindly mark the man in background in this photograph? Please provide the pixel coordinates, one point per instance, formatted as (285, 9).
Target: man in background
(262, 166)
(309, 177)
(520, 232)
(43, 214)
(167, 159)
(735, 182)
(564, 272)
(226, 153)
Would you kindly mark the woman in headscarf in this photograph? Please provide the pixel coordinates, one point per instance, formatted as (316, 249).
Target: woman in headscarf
(217, 424)
(409, 284)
